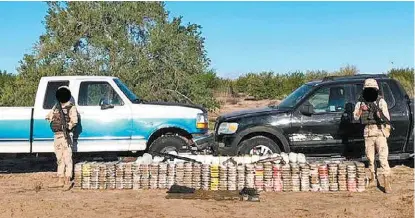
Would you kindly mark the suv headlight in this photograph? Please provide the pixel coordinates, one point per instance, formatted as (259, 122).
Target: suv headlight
(227, 128)
(202, 121)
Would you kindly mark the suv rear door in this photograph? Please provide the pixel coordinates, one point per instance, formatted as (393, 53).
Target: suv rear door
(399, 114)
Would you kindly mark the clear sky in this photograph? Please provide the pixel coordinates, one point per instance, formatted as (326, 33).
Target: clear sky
(246, 37)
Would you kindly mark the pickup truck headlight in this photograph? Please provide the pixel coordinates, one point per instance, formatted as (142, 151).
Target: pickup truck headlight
(202, 121)
(227, 128)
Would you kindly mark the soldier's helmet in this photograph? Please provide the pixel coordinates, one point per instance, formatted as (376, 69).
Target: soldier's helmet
(63, 94)
(371, 83)
(370, 90)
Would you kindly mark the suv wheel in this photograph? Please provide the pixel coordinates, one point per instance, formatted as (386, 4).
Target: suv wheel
(259, 145)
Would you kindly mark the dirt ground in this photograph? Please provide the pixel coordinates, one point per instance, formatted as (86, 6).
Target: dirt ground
(27, 195)
(239, 104)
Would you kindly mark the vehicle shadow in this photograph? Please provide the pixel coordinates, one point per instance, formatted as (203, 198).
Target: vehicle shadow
(408, 163)
(27, 164)
(393, 163)
(43, 163)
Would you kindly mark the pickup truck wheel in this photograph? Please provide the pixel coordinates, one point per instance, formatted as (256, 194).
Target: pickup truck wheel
(165, 144)
(259, 145)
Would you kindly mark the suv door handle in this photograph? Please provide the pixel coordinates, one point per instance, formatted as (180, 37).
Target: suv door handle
(337, 118)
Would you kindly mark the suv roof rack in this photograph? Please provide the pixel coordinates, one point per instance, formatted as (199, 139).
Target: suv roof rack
(357, 76)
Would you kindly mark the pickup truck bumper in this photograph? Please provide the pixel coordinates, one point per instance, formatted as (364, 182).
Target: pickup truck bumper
(204, 141)
(209, 142)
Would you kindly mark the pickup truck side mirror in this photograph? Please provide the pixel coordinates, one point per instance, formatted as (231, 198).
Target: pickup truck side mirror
(307, 109)
(105, 105)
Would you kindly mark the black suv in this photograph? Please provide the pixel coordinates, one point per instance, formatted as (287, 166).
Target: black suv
(317, 120)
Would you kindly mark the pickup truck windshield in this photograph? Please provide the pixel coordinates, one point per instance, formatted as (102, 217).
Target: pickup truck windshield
(292, 99)
(130, 95)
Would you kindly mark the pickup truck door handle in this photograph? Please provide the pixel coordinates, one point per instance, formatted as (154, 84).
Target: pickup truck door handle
(337, 118)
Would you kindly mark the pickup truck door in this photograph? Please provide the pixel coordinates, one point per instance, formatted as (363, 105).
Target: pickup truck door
(105, 120)
(323, 132)
(45, 100)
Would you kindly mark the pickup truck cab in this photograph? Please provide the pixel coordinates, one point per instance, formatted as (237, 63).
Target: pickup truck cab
(111, 119)
(316, 119)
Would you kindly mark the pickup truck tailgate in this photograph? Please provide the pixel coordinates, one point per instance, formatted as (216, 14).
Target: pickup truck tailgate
(15, 129)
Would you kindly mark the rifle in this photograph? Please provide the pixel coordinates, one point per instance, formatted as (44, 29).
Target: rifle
(376, 109)
(269, 159)
(172, 157)
(382, 116)
(64, 125)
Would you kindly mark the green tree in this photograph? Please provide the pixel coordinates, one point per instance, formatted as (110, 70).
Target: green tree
(405, 76)
(270, 85)
(135, 41)
(5, 80)
(348, 70)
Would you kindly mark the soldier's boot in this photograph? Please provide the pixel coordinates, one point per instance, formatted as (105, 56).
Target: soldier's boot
(372, 180)
(387, 184)
(59, 184)
(68, 184)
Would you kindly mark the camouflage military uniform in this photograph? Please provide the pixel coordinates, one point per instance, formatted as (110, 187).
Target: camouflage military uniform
(376, 137)
(62, 150)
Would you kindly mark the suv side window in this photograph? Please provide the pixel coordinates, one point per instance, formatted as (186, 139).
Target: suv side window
(385, 90)
(358, 91)
(50, 98)
(91, 93)
(329, 99)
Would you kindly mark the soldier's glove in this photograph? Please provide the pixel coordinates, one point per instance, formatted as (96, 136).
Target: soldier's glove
(363, 107)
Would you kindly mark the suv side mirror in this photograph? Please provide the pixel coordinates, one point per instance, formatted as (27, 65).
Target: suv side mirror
(105, 105)
(307, 109)
(348, 113)
(349, 108)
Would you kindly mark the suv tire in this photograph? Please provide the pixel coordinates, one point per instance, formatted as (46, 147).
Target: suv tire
(247, 145)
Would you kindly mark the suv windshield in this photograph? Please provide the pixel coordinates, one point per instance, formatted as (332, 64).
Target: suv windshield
(130, 95)
(292, 99)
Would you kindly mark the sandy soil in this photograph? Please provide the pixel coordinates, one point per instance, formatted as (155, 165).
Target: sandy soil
(28, 195)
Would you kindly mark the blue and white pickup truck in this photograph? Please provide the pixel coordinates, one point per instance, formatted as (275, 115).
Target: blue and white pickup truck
(111, 119)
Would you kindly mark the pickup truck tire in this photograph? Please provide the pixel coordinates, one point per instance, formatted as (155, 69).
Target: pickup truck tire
(267, 144)
(167, 143)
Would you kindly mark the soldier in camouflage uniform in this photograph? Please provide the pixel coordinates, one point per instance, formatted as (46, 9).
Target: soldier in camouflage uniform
(63, 150)
(376, 131)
